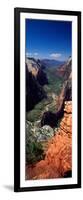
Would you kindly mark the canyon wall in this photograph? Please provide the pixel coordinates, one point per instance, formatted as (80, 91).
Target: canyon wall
(58, 155)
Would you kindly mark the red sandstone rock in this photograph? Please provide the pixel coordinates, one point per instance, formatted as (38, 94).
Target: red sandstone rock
(58, 159)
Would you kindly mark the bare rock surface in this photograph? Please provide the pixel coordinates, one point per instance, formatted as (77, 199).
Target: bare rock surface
(58, 156)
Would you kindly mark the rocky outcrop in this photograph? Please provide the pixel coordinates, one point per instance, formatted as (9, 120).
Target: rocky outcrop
(34, 149)
(36, 138)
(38, 134)
(44, 134)
(66, 122)
(58, 156)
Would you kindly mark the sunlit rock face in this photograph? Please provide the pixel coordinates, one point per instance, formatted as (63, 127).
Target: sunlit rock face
(58, 159)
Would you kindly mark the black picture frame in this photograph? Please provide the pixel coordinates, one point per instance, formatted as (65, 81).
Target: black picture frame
(17, 12)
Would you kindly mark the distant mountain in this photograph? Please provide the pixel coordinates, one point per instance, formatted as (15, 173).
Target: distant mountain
(51, 63)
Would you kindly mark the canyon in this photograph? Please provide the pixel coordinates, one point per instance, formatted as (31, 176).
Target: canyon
(48, 120)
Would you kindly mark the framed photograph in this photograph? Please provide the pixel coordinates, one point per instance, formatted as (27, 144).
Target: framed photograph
(47, 99)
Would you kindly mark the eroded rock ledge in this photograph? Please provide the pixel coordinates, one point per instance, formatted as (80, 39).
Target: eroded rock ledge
(58, 158)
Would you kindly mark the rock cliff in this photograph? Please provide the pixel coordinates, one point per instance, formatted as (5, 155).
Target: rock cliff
(37, 69)
(52, 119)
(34, 91)
(35, 80)
(58, 156)
(65, 69)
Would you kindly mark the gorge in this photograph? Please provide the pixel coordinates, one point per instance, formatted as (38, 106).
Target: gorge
(48, 120)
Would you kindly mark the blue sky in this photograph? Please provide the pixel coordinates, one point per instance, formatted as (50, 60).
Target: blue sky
(48, 39)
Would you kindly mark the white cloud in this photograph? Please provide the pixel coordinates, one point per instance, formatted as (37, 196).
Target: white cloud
(35, 54)
(31, 54)
(28, 54)
(55, 55)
